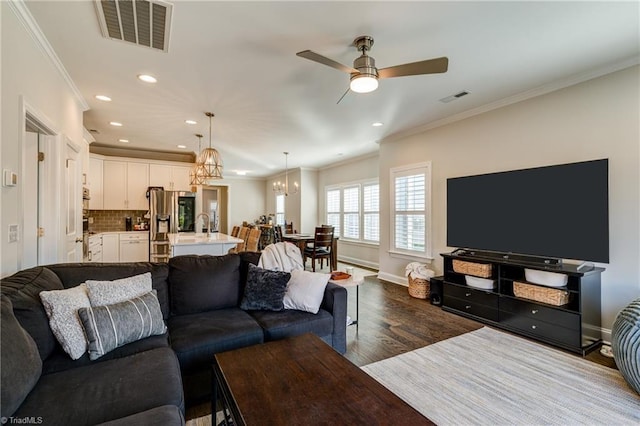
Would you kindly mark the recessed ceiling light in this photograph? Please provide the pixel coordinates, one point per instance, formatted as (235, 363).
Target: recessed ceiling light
(103, 98)
(115, 123)
(182, 146)
(190, 122)
(241, 172)
(147, 78)
(377, 124)
(123, 140)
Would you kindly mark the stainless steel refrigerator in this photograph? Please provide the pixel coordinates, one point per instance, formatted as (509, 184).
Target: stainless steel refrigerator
(170, 212)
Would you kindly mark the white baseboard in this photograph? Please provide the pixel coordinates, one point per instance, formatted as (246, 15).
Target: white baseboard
(396, 279)
(358, 262)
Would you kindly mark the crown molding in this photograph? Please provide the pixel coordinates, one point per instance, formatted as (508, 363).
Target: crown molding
(519, 97)
(29, 23)
(346, 161)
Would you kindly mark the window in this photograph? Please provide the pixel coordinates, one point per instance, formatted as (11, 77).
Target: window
(370, 211)
(280, 209)
(353, 210)
(411, 214)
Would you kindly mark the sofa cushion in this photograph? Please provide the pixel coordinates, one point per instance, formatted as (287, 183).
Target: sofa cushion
(62, 309)
(167, 415)
(23, 289)
(305, 291)
(196, 337)
(21, 365)
(108, 390)
(110, 326)
(264, 289)
(204, 283)
(116, 291)
(60, 361)
(72, 274)
(288, 323)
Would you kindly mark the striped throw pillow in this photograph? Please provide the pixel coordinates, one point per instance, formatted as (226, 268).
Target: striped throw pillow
(111, 326)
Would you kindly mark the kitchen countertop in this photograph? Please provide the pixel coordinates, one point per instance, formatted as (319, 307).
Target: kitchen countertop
(114, 232)
(189, 239)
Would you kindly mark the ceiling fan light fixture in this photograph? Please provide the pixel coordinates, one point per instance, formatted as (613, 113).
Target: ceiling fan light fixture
(362, 83)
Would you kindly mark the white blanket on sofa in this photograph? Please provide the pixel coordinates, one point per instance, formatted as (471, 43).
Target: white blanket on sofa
(281, 257)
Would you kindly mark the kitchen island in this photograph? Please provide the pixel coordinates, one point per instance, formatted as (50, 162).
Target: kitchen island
(215, 244)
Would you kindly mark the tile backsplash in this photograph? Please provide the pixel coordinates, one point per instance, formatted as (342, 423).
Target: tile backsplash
(113, 220)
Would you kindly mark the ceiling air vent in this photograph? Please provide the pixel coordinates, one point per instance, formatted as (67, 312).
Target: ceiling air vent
(145, 23)
(454, 97)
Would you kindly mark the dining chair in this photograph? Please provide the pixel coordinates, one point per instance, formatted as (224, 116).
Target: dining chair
(252, 240)
(277, 234)
(288, 227)
(243, 234)
(321, 249)
(234, 231)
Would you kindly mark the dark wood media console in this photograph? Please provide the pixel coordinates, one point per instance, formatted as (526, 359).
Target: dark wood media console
(574, 326)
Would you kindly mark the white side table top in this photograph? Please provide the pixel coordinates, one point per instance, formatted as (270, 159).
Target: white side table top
(353, 281)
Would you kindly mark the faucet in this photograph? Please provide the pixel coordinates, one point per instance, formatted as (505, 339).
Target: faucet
(208, 222)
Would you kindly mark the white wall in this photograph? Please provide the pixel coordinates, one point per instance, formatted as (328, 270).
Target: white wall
(29, 80)
(246, 200)
(356, 170)
(309, 218)
(599, 118)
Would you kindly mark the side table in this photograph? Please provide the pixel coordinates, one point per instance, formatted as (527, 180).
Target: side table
(352, 281)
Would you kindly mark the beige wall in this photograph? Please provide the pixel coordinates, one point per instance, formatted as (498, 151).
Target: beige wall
(246, 199)
(594, 119)
(29, 80)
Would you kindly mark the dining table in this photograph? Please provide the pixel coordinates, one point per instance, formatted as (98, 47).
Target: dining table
(301, 240)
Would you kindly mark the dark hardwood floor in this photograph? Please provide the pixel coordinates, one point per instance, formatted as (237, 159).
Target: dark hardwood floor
(392, 322)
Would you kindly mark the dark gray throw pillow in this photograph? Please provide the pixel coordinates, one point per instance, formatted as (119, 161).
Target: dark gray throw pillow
(21, 364)
(265, 289)
(111, 326)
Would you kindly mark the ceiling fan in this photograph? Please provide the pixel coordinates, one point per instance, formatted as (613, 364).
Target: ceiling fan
(365, 75)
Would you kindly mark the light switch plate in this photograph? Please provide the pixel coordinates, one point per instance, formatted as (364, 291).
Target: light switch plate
(9, 178)
(13, 233)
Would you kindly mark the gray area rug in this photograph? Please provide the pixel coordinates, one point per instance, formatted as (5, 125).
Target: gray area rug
(488, 377)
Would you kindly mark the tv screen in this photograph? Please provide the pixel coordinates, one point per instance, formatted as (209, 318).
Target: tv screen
(559, 211)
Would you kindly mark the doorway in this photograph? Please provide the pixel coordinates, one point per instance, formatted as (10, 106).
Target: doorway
(214, 203)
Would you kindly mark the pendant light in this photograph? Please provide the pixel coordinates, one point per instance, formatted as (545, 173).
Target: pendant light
(209, 159)
(197, 172)
(283, 188)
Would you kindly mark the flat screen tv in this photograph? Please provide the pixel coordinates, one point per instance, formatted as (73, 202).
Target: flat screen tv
(559, 211)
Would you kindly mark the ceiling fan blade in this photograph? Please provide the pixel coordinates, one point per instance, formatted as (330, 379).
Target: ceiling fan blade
(345, 94)
(316, 57)
(430, 66)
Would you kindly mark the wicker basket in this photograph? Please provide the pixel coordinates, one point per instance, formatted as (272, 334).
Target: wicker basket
(550, 296)
(418, 288)
(482, 270)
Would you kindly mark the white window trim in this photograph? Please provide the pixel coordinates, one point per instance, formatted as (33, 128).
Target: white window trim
(284, 212)
(341, 187)
(406, 170)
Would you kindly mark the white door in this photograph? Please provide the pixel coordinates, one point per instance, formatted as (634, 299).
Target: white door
(73, 204)
(30, 217)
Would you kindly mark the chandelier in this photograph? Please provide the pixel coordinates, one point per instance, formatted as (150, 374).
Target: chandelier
(197, 172)
(209, 159)
(283, 187)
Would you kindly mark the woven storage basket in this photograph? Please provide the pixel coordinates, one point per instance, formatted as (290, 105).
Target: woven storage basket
(482, 270)
(418, 288)
(550, 296)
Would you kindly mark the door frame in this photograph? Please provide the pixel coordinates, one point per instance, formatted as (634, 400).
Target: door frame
(49, 180)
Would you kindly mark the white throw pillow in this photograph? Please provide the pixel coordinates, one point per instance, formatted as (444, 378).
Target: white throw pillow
(62, 307)
(305, 291)
(109, 292)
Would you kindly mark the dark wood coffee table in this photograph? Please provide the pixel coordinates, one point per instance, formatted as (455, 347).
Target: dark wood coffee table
(302, 381)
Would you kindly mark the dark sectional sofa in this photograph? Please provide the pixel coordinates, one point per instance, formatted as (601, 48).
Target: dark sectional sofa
(148, 381)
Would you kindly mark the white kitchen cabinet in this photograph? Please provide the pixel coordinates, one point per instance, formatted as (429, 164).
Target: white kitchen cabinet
(95, 248)
(171, 178)
(134, 246)
(94, 183)
(110, 248)
(125, 185)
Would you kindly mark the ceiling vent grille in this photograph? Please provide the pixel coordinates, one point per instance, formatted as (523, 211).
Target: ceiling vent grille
(454, 97)
(142, 22)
